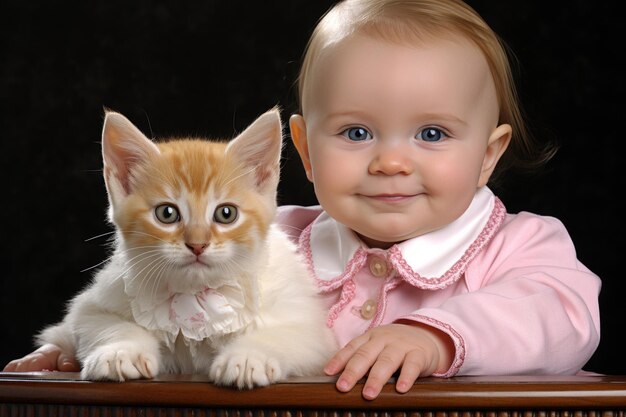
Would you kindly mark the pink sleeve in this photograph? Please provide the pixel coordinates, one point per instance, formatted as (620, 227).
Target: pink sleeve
(530, 306)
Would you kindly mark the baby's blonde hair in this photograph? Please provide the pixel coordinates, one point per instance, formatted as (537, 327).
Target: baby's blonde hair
(415, 21)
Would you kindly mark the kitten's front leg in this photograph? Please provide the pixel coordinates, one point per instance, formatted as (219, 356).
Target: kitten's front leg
(111, 348)
(268, 355)
(245, 364)
(120, 361)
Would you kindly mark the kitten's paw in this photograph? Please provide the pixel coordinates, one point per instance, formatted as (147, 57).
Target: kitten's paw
(119, 362)
(245, 368)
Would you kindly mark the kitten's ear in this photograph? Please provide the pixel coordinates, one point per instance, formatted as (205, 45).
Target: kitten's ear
(259, 147)
(123, 147)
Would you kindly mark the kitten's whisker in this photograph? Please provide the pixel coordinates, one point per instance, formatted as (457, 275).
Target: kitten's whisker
(129, 252)
(223, 176)
(141, 275)
(155, 279)
(239, 176)
(129, 267)
(233, 266)
(149, 277)
(96, 265)
(141, 256)
(146, 248)
(291, 227)
(165, 268)
(100, 235)
(150, 264)
(145, 234)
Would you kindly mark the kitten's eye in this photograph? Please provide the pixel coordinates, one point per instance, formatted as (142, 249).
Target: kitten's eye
(225, 214)
(431, 134)
(357, 134)
(167, 213)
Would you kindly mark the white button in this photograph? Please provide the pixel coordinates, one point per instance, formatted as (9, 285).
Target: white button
(378, 267)
(368, 309)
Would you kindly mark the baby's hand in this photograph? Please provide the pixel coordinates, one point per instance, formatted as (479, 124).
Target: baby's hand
(49, 357)
(417, 349)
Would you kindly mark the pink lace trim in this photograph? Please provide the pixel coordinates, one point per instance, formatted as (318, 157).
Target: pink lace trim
(351, 269)
(456, 271)
(382, 301)
(345, 280)
(459, 343)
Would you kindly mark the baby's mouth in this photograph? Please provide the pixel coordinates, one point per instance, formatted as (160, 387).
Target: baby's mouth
(390, 198)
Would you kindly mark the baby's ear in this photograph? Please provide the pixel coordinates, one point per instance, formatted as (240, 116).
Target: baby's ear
(297, 127)
(123, 147)
(259, 147)
(498, 142)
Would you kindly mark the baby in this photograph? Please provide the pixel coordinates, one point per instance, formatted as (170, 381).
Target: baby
(408, 112)
(407, 107)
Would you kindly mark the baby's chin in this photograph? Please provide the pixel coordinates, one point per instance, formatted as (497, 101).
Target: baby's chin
(387, 238)
(376, 243)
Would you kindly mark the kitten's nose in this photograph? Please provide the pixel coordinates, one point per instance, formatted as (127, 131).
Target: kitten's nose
(196, 248)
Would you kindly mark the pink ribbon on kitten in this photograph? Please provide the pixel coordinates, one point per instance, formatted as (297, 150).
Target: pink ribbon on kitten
(197, 316)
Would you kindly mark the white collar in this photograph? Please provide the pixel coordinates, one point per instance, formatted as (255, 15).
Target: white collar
(435, 260)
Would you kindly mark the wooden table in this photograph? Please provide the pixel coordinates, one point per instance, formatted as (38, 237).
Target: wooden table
(64, 394)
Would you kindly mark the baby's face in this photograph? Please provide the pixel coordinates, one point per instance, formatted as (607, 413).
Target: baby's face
(396, 139)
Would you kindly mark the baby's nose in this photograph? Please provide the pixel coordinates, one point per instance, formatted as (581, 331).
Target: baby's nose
(392, 160)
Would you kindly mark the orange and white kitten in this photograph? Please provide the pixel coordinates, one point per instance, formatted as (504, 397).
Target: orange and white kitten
(201, 280)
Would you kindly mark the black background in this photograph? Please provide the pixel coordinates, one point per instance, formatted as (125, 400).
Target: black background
(209, 68)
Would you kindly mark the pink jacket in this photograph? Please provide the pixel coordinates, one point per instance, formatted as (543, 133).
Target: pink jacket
(507, 288)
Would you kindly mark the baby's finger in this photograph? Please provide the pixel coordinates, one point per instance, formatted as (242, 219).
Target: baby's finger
(386, 364)
(358, 365)
(32, 362)
(413, 365)
(341, 358)
(67, 363)
(10, 367)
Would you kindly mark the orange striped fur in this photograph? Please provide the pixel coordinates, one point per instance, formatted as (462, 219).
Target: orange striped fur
(196, 177)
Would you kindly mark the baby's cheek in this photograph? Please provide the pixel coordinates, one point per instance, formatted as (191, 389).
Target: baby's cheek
(457, 171)
(334, 172)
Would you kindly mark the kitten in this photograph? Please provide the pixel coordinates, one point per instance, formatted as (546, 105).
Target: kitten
(200, 280)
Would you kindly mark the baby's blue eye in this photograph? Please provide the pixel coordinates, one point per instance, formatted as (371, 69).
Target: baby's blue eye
(357, 134)
(431, 134)
(167, 213)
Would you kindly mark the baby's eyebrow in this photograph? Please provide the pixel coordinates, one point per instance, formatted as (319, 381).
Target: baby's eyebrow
(347, 113)
(428, 117)
(441, 117)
